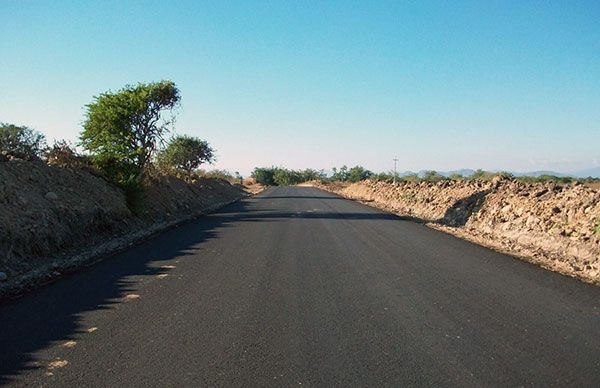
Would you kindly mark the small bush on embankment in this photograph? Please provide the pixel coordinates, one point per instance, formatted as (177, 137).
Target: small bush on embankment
(21, 142)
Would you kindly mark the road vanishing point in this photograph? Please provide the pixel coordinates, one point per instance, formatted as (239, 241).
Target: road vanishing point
(298, 287)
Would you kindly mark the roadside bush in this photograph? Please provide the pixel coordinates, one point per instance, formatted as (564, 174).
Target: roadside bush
(63, 154)
(134, 190)
(21, 142)
(125, 175)
(383, 176)
(264, 175)
(220, 174)
(275, 176)
(358, 173)
(341, 175)
(354, 174)
(185, 153)
(412, 177)
(432, 176)
(480, 174)
(311, 175)
(545, 178)
(597, 227)
(285, 177)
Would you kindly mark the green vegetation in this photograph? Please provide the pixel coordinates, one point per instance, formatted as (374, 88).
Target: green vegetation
(456, 177)
(432, 176)
(597, 227)
(122, 129)
(63, 154)
(546, 178)
(412, 177)
(264, 175)
(21, 142)
(354, 174)
(277, 176)
(185, 153)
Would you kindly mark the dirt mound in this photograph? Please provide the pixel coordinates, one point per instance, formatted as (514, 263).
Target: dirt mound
(47, 211)
(549, 224)
(168, 197)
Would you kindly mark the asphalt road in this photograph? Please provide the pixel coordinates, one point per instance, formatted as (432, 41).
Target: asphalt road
(300, 287)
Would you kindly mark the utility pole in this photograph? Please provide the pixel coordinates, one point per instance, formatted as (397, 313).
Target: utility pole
(395, 161)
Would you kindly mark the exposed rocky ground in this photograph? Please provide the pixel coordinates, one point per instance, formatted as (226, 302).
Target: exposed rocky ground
(54, 219)
(554, 226)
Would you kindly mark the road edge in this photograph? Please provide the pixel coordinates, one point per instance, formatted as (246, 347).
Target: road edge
(471, 239)
(69, 264)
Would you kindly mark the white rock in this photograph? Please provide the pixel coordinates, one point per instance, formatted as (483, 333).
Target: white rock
(50, 195)
(3, 276)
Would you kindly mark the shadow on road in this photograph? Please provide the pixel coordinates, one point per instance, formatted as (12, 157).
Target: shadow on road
(53, 313)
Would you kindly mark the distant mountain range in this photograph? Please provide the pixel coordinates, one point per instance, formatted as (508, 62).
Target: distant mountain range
(590, 172)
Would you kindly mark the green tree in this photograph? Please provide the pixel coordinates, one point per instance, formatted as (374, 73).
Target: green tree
(264, 175)
(432, 176)
(340, 175)
(383, 176)
(480, 174)
(122, 129)
(186, 153)
(358, 173)
(22, 142)
(285, 177)
(311, 175)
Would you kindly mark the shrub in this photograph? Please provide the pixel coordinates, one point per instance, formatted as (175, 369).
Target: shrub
(285, 177)
(480, 174)
(597, 227)
(383, 176)
(432, 176)
(134, 190)
(412, 177)
(219, 174)
(340, 175)
(354, 174)
(21, 142)
(545, 178)
(264, 175)
(63, 154)
(186, 153)
(311, 175)
(358, 173)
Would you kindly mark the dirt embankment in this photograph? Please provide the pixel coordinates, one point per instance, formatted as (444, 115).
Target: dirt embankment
(548, 224)
(54, 219)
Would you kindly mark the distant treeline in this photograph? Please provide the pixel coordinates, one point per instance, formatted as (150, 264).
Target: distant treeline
(279, 176)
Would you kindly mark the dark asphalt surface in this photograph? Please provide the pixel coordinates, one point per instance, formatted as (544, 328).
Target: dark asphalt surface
(297, 286)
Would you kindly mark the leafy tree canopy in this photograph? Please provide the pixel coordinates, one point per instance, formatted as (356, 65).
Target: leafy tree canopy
(186, 153)
(125, 127)
(22, 142)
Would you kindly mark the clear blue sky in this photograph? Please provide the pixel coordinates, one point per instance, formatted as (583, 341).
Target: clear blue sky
(441, 85)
